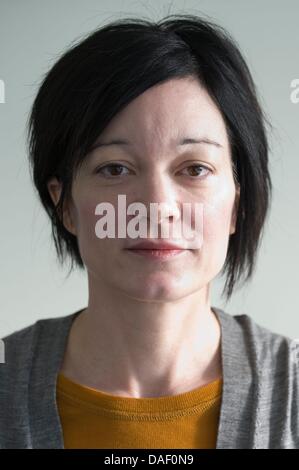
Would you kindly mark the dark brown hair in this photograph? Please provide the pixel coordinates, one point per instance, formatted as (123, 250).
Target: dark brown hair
(97, 77)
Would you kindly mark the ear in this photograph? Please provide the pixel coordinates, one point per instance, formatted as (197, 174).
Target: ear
(55, 188)
(235, 210)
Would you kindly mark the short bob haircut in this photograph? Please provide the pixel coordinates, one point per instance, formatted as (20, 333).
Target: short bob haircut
(100, 74)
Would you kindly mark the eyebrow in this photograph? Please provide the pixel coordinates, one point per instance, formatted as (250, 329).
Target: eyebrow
(185, 141)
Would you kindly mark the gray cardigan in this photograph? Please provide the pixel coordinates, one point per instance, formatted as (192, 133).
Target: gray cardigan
(259, 407)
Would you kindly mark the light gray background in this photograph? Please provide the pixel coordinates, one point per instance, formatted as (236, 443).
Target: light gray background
(32, 36)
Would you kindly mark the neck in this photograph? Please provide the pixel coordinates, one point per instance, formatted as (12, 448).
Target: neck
(133, 348)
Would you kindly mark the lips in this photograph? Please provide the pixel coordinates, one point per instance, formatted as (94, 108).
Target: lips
(155, 246)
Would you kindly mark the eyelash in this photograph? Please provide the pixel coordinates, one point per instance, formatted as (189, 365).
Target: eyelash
(113, 165)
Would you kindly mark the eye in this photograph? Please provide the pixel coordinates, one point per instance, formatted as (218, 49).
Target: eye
(196, 169)
(116, 170)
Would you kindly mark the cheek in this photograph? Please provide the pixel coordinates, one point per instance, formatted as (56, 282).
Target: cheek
(218, 209)
(86, 218)
(216, 228)
(94, 250)
(216, 222)
(86, 222)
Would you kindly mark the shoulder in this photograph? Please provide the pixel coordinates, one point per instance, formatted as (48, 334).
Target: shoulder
(276, 357)
(31, 359)
(269, 358)
(266, 365)
(20, 342)
(40, 341)
(266, 343)
(17, 347)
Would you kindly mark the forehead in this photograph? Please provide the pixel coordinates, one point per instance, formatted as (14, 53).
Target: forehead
(166, 113)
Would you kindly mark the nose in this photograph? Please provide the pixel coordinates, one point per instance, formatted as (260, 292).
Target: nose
(159, 194)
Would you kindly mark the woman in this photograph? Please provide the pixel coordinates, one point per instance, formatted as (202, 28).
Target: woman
(161, 112)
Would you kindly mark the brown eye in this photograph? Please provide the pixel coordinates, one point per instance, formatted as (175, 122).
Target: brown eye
(199, 171)
(114, 170)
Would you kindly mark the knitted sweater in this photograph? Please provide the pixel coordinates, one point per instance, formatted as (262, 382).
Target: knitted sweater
(260, 390)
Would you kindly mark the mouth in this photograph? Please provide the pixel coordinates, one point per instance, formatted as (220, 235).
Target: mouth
(157, 254)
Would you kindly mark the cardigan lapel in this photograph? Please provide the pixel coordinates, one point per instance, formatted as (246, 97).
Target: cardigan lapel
(46, 428)
(237, 423)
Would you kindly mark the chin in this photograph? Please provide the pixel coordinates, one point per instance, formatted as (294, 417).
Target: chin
(157, 290)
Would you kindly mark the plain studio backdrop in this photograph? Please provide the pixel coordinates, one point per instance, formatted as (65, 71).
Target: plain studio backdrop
(33, 34)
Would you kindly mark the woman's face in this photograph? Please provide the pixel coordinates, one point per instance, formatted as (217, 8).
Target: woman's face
(153, 168)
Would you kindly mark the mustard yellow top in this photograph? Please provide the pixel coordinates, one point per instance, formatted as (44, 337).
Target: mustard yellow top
(94, 419)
